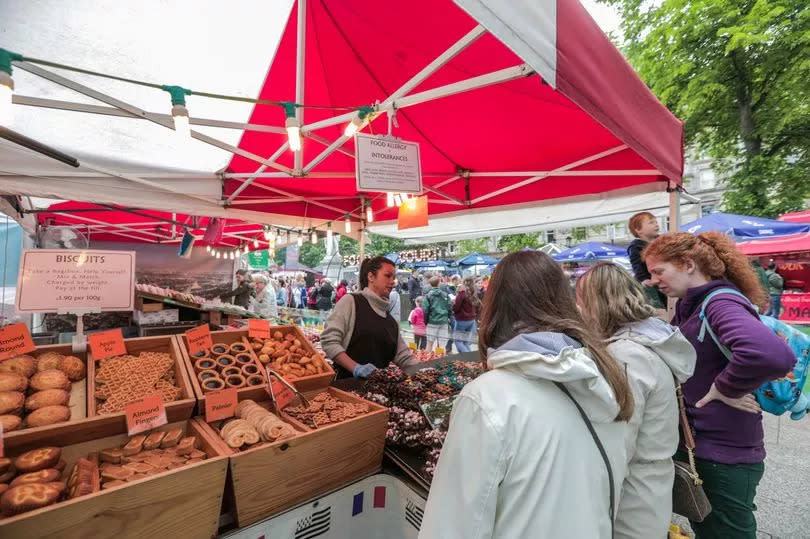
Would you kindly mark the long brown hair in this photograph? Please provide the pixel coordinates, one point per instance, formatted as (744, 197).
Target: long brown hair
(529, 293)
(611, 298)
(715, 255)
(472, 293)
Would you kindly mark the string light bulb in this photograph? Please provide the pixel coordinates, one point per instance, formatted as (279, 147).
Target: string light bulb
(314, 238)
(246, 250)
(219, 255)
(357, 122)
(389, 199)
(348, 225)
(207, 248)
(329, 233)
(300, 239)
(267, 233)
(179, 111)
(369, 213)
(255, 243)
(6, 85)
(293, 126)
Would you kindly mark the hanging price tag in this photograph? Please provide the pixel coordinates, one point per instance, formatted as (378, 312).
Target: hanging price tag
(258, 328)
(220, 404)
(281, 392)
(106, 344)
(199, 339)
(145, 414)
(15, 339)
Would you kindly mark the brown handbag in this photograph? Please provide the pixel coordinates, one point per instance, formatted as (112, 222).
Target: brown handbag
(688, 498)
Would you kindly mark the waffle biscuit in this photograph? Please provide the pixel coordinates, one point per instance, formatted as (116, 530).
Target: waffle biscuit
(25, 498)
(22, 365)
(167, 390)
(48, 360)
(11, 381)
(48, 415)
(38, 459)
(42, 476)
(47, 397)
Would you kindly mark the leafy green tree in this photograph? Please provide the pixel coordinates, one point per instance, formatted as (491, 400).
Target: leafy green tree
(737, 72)
(311, 254)
(465, 247)
(382, 245)
(516, 242)
(348, 246)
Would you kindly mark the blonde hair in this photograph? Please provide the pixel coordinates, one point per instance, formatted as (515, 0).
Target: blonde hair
(610, 298)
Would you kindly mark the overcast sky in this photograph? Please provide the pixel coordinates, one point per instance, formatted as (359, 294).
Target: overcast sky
(605, 16)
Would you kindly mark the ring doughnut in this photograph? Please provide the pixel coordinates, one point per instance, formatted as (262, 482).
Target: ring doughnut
(230, 371)
(255, 380)
(248, 370)
(225, 361)
(219, 349)
(237, 348)
(202, 376)
(235, 380)
(243, 359)
(203, 364)
(213, 384)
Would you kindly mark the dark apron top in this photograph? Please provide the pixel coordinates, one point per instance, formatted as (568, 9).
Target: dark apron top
(374, 339)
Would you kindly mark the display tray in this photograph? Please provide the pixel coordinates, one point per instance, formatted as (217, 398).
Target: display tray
(77, 404)
(228, 337)
(273, 477)
(140, 296)
(184, 502)
(305, 383)
(178, 410)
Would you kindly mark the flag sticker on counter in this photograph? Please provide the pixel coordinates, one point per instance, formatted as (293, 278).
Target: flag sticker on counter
(414, 514)
(314, 525)
(379, 497)
(357, 504)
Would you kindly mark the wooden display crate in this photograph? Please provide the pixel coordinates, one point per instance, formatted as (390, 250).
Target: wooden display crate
(305, 383)
(77, 404)
(223, 337)
(181, 409)
(270, 478)
(184, 502)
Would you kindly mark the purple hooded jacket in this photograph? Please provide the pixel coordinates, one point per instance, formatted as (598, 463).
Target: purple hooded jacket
(724, 434)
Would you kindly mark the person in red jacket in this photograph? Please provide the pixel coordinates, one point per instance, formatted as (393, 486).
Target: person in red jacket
(465, 309)
(342, 288)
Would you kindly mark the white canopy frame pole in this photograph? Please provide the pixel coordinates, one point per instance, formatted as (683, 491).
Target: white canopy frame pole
(300, 72)
(67, 83)
(259, 170)
(295, 198)
(569, 166)
(82, 219)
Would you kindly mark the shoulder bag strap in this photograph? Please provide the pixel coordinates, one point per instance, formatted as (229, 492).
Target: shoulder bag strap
(705, 326)
(688, 437)
(602, 452)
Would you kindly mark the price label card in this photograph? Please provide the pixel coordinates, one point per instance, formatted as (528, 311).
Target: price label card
(145, 414)
(106, 344)
(199, 339)
(220, 404)
(258, 328)
(280, 392)
(15, 339)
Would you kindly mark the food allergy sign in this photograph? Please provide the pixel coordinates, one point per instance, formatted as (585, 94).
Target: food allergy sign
(54, 280)
(387, 164)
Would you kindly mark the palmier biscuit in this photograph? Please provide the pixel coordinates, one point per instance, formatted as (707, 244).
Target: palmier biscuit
(23, 498)
(38, 459)
(50, 379)
(22, 365)
(11, 402)
(47, 397)
(42, 476)
(48, 360)
(11, 381)
(48, 415)
(73, 367)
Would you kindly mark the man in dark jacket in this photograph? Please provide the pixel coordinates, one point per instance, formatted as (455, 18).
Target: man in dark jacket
(644, 226)
(776, 285)
(324, 302)
(414, 288)
(243, 292)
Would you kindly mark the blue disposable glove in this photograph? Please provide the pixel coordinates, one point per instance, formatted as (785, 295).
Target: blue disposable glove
(364, 370)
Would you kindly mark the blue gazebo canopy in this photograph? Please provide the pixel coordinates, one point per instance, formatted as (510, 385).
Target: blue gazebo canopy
(393, 257)
(590, 250)
(431, 264)
(476, 259)
(743, 227)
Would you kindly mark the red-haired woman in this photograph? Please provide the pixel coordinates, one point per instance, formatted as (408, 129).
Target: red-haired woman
(519, 460)
(725, 418)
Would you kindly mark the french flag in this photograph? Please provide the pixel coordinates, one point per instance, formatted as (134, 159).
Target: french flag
(379, 500)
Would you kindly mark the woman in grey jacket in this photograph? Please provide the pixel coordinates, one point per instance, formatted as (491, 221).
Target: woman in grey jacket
(654, 355)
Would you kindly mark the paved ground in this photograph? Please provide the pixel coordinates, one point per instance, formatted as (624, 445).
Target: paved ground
(783, 498)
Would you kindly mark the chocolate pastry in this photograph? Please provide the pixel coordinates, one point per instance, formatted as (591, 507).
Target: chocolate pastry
(219, 349)
(172, 437)
(42, 476)
(48, 360)
(225, 361)
(204, 364)
(10, 422)
(73, 367)
(47, 397)
(22, 365)
(213, 384)
(254, 380)
(50, 379)
(11, 381)
(38, 459)
(230, 371)
(186, 445)
(153, 440)
(134, 445)
(235, 380)
(116, 472)
(201, 353)
(5, 465)
(48, 415)
(202, 376)
(25, 498)
(112, 456)
(11, 402)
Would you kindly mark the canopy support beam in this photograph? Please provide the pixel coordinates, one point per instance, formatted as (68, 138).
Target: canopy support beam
(300, 71)
(259, 170)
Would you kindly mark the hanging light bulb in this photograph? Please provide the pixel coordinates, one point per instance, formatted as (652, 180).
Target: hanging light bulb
(389, 199)
(369, 213)
(267, 233)
(300, 239)
(314, 238)
(293, 126)
(348, 226)
(179, 110)
(273, 235)
(6, 85)
(246, 249)
(357, 122)
(219, 255)
(207, 248)
(255, 243)
(329, 233)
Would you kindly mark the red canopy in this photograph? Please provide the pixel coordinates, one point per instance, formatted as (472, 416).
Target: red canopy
(797, 217)
(491, 131)
(786, 245)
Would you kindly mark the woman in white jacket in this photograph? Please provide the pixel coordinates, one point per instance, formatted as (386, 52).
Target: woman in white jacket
(519, 460)
(655, 354)
(264, 303)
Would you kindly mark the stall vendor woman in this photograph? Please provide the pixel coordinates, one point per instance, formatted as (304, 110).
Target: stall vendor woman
(360, 335)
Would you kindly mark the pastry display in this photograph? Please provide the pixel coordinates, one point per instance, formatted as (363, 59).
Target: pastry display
(290, 357)
(325, 409)
(121, 380)
(226, 366)
(44, 383)
(169, 293)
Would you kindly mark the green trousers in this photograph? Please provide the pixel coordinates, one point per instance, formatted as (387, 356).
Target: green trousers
(731, 489)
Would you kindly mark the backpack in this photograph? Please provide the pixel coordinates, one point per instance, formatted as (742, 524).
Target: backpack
(783, 394)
